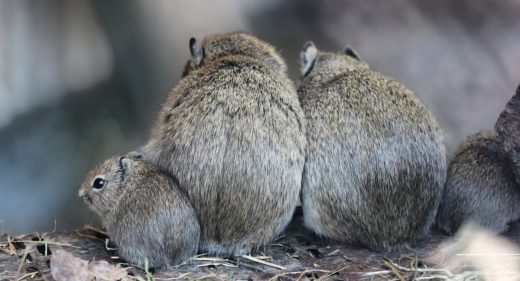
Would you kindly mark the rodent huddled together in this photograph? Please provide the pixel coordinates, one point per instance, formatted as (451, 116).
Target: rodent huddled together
(236, 146)
(232, 132)
(144, 211)
(483, 184)
(375, 161)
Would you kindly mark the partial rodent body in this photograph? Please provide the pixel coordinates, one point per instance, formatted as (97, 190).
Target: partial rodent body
(145, 213)
(375, 162)
(232, 132)
(481, 186)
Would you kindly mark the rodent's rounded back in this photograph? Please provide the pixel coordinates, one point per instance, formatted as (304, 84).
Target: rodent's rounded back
(375, 162)
(480, 186)
(229, 121)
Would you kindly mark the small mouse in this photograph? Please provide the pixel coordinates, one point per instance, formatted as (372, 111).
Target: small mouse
(144, 211)
(483, 184)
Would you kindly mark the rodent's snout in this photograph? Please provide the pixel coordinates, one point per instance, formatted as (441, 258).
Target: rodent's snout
(83, 195)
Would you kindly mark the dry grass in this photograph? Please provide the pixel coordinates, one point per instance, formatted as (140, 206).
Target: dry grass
(264, 262)
(276, 263)
(396, 272)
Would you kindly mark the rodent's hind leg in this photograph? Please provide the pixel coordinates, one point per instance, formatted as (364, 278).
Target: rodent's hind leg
(425, 230)
(395, 248)
(226, 249)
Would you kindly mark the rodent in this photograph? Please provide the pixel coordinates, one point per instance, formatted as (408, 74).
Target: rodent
(375, 160)
(143, 210)
(233, 133)
(483, 184)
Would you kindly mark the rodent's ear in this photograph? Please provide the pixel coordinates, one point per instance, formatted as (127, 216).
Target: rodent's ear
(351, 53)
(135, 154)
(508, 124)
(197, 52)
(308, 56)
(125, 164)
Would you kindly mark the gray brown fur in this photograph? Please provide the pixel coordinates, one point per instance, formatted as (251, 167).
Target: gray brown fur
(482, 185)
(232, 132)
(144, 211)
(375, 162)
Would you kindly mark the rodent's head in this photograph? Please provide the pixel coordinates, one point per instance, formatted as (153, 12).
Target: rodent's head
(508, 130)
(325, 64)
(104, 185)
(230, 44)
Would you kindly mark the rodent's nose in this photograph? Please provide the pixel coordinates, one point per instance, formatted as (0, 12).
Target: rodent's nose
(81, 193)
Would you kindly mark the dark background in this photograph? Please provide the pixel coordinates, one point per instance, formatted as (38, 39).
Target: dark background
(82, 80)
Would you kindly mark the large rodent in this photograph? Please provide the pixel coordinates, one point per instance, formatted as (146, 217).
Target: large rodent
(232, 132)
(483, 184)
(145, 213)
(375, 162)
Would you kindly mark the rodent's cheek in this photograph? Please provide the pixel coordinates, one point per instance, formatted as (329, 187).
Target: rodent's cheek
(122, 185)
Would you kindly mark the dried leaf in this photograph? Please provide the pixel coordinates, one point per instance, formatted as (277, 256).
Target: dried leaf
(105, 271)
(9, 248)
(64, 266)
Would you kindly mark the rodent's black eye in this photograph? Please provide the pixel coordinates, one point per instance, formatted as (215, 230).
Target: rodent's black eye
(99, 183)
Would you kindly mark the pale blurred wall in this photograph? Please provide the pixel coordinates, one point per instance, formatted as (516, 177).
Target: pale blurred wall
(461, 57)
(49, 48)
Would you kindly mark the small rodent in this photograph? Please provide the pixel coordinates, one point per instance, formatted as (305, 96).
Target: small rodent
(375, 161)
(232, 132)
(143, 210)
(483, 184)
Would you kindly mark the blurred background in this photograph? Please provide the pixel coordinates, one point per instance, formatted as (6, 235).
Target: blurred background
(82, 80)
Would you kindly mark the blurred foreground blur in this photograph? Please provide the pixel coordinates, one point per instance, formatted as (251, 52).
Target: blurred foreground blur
(477, 254)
